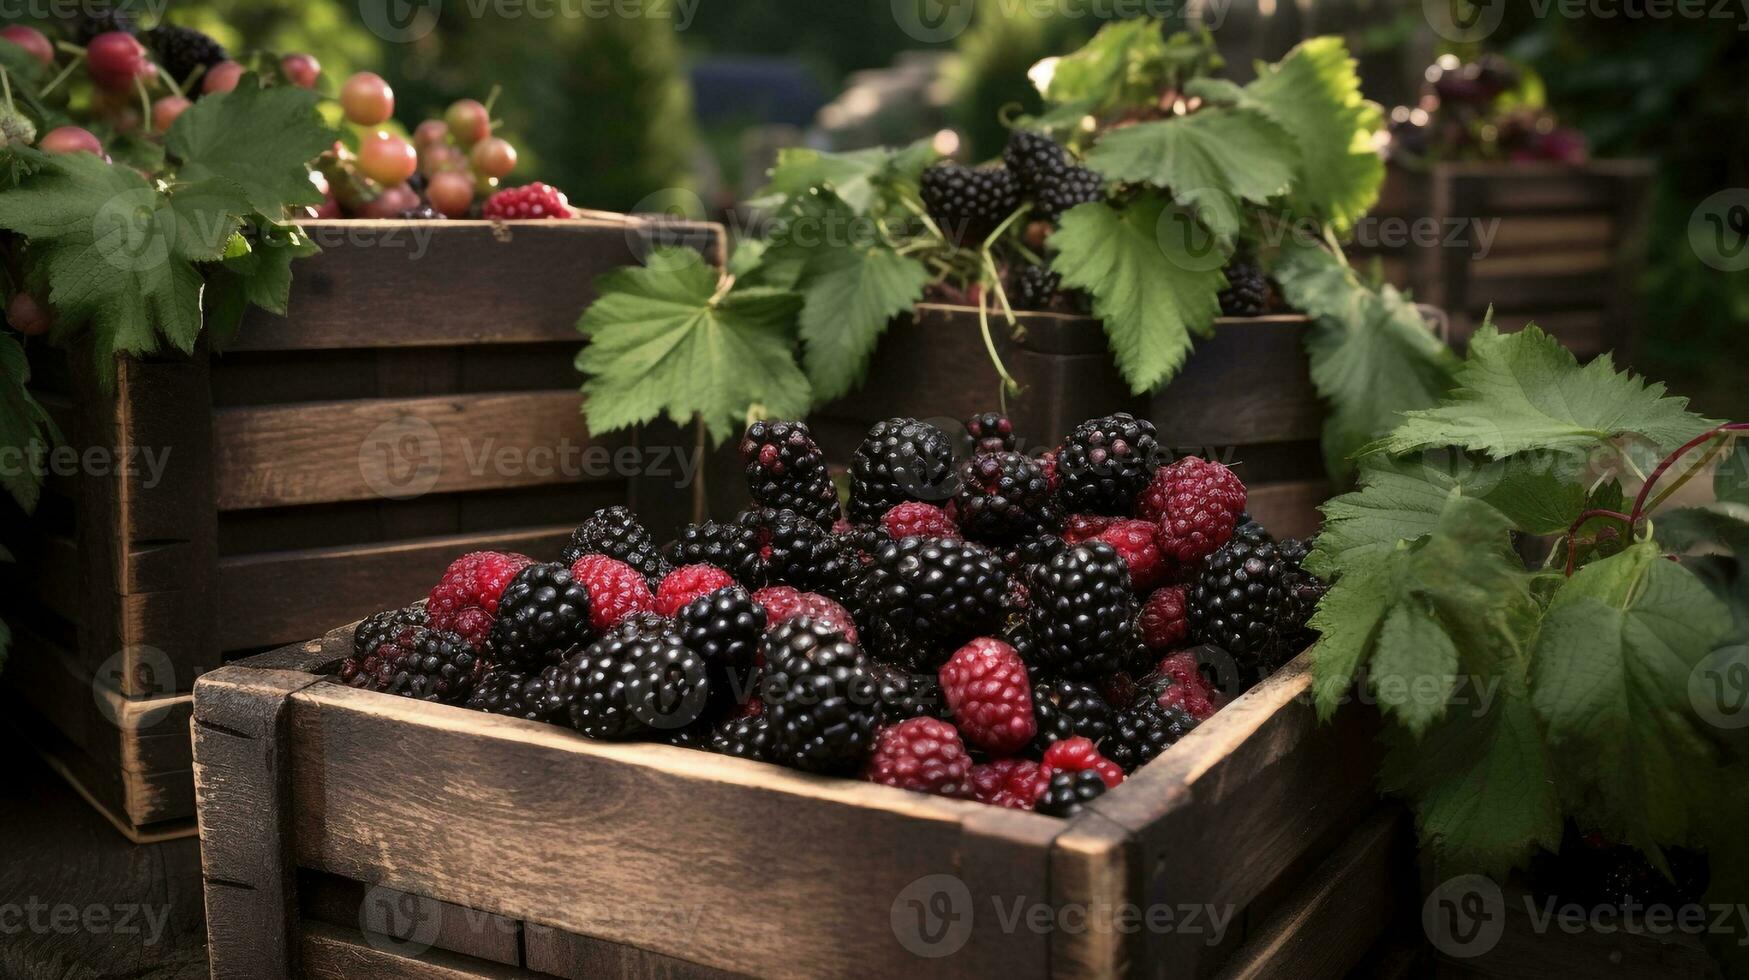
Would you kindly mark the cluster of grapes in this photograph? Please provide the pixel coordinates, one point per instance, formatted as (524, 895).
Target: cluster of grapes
(449, 164)
(131, 91)
(1467, 112)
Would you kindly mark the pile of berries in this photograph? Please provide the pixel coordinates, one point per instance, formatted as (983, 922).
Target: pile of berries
(1015, 630)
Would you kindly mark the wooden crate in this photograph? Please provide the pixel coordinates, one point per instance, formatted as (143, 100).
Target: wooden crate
(345, 452)
(1567, 246)
(349, 833)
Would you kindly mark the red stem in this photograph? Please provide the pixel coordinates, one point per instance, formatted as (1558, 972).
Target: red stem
(1669, 461)
(1573, 531)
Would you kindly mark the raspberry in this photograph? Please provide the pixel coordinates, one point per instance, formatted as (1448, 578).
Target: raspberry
(1105, 463)
(1135, 544)
(1247, 292)
(465, 600)
(525, 203)
(924, 599)
(987, 688)
(819, 695)
(968, 204)
(1163, 621)
(899, 460)
(1196, 503)
(922, 755)
(1004, 497)
(616, 590)
(991, 432)
(1085, 527)
(617, 533)
(1011, 783)
(787, 471)
(1083, 614)
(919, 520)
(1068, 793)
(783, 603)
(1079, 755)
(683, 585)
(1067, 709)
(543, 613)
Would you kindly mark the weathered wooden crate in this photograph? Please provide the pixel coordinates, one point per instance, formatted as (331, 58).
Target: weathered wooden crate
(1565, 245)
(347, 833)
(418, 403)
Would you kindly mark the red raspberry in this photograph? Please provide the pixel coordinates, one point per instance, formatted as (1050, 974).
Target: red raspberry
(687, 583)
(1190, 690)
(1136, 545)
(1078, 528)
(465, 600)
(523, 203)
(783, 603)
(986, 686)
(1164, 625)
(1078, 755)
(924, 755)
(1011, 783)
(1195, 704)
(616, 590)
(919, 520)
(1197, 504)
(1049, 462)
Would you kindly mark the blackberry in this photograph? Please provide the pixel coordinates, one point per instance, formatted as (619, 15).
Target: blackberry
(1252, 601)
(904, 695)
(1020, 557)
(790, 549)
(423, 212)
(1038, 289)
(1034, 157)
(1083, 614)
(732, 547)
(900, 460)
(182, 50)
(968, 204)
(440, 667)
(819, 694)
(515, 695)
(632, 683)
(925, 597)
(723, 627)
(1055, 196)
(1004, 497)
(1143, 730)
(991, 432)
(543, 613)
(1051, 178)
(1068, 792)
(1105, 463)
(787, 471)
(1247, 292)
(743, 738)
(381, 627)
(1068, 709)
(616, 533)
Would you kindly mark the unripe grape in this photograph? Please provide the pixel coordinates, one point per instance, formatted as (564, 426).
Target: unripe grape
(301, 69)
(390, 203)
(469, 122)
(70, 139)
(115, 59)
(437, 159)
(33, 41)
(493, 157)
(165, 111)
(451, 193)
(431, 132)
(222, 77)
(387, 159)
(367, 99)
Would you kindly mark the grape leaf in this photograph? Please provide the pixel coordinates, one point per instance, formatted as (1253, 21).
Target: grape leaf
(1153, 276)
(1112, 68)
(1209, 160)
(1314, 93)
(850, 294)
(1611, 675)
(26, 431)
(663, 342)
(260, 275)
(260, 139)
(859, 178)
(1524, 392)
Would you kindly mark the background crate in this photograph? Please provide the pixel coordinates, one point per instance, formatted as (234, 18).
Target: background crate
(1568, 248)
(297, 488)
(511, 844)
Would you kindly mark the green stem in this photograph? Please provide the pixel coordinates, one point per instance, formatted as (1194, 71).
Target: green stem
(66, 73)
(6, 83)
(145, 103)
(1005, 225)
(170, 81)
(995, 358)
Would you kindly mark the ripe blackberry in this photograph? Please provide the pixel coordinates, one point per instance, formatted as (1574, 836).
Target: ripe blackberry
(381, 627)
(968, 204)
(731, 547)
(925, 598)
(1004, 497)
(900, 460)
(1105, 463)
(617, 533)
(1247, 292)
(1068, 709)
(743, 738)
(1037, 289)
(182, 50)
(1083, 614)
(987, 686)
(423, 212)
(1144, 730)
(790, 549)
(923, 755)
(1020, 558)
(787, 471)
(1034, 156)
(514, 695)
(819, 695)
(440, 667)
(1197, 504)
(543, 612)
(724, 627)
(919, 520)
(1252, 602)
(629, 684)
(1050, 177)
(1055, 196)
(905, 695)
(1067, 793)
(376, 663)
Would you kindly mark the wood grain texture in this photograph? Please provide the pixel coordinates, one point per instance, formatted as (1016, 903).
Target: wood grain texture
(396, 920)
(330, 953)
(1094, 862)
(562, 954)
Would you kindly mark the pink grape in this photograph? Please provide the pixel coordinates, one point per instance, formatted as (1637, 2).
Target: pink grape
(165, 111)
(494, 157)
(301, 69)
(451, 193)
(70, 139)
(222, 77)
(33, 41)
(469, 122)
(387, 159)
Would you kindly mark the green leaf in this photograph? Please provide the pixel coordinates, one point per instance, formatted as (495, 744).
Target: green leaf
(260, 139)
(1154, 277)
(26, 431)
(1112, 68)
(1731, 479)
(1210, 161)
(1524, 392)
(859, 178)
(662, 342)
(1314, 93)
(1611, 681)
(850, 294)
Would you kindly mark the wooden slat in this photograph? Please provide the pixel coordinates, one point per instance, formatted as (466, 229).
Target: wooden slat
(626, 822)
(1585, 259)
(399, 448)
(1249, 383)
(562, 954)
(329, 953)
(410, 922)
(525, 282)
(1527, 952)
(1337, 914)
(273, 598)
(1289, 509)
(1094, 862)
(1533, 235)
